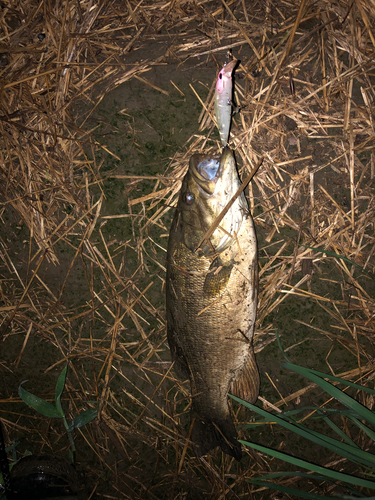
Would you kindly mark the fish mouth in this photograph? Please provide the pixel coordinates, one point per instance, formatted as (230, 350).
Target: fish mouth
(206, 171)
(208, 168)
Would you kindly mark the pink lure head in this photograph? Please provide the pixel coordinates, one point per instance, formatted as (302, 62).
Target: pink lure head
(224, 75)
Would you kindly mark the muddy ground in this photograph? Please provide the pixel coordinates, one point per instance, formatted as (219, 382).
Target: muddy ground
(145, 128)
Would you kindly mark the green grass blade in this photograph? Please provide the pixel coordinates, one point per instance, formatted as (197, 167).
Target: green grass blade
(351, 452)
(338, 476)
(60, 385)
(83, 418)
(320, 413)
(341, 381)
(345, 450)
(345, 399)
(274, 475)
(341, 433)
(363, 427)
(333, 254)
(326, 375)
(281, 347)
(2, 479)
(38, 404)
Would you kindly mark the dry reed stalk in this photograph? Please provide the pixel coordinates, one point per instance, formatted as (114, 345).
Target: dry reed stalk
(314, 188)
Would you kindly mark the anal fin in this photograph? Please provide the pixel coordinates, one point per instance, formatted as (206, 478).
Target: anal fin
(247, 383)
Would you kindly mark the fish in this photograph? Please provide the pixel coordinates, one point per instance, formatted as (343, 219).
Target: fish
(211, 298)
(223, 101)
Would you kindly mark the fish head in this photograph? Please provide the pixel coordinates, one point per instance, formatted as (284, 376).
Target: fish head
(209, 185)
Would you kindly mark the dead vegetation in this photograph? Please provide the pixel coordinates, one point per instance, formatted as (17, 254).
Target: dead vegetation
(307, 101)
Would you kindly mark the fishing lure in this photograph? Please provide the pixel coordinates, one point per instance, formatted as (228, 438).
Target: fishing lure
(223, 101)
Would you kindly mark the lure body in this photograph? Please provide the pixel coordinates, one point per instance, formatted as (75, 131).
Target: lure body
(223, 101)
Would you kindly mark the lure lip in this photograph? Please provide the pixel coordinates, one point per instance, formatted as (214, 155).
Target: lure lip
(229, 67)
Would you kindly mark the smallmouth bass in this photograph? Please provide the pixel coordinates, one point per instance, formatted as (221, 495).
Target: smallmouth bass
(211, 299)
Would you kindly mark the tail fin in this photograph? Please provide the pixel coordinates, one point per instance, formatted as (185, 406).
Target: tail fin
(209, 435)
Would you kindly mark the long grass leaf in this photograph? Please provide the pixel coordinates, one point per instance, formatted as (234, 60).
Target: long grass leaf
(298, 462)
(326, 375)
(320, 413)
(340, 380)
(280, 346)
(333, 254)
(60, 385)
(341, 433)
(274, 475)
(345, 399)
(345, 450)
(363, 427)
(350, 451)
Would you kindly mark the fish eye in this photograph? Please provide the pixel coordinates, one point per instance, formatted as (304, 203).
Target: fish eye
(220, 76)
(189, 198)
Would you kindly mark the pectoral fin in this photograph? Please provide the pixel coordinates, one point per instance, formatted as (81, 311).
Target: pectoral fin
(217, 277)
(246, 384)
